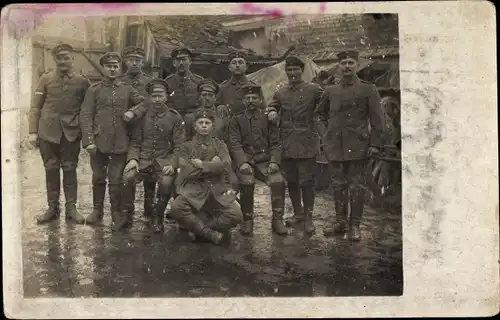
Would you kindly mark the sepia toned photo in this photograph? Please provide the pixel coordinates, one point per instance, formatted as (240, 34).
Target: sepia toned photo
(205, 154)
(310, 203)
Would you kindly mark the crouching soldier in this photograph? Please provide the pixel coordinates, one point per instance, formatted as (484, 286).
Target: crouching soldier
(202, 185)
(108, 107)
(154, 145)
(256, 151)
(54, 125)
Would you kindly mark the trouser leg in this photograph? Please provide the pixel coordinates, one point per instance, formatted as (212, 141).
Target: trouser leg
(99, 164)
(51, 160)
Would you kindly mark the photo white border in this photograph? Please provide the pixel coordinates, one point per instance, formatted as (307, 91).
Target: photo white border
(450, 177)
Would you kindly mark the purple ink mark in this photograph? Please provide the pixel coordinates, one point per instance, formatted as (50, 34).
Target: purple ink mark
(252, 8)
(21, 19)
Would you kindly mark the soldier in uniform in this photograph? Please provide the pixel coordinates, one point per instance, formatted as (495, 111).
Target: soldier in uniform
(256, 152)
(348, 108)
(231, 93)
(54, 125)
(108, 108)
(203, 185)
(294, 106)
(207, 95)
(183, 83)
(152, 154)
(134, 60)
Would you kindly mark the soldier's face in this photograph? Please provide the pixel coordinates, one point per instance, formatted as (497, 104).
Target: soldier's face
(182, 63)
(159, 97)
(238, 66)
(348, 66)
(251, 100)
(203, 126)
(112, 69)
(64, 62)
(207, 98)
(134, 64)
(294, 73)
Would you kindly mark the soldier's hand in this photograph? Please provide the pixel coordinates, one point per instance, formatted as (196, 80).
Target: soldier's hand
(273, 116)
(273, 168)
(91, 149)
(33, 139)
(168, 170)
(246, 168)
(128, 116)
(373, 151)
(197, 163)
(131, 165)
(216, 159)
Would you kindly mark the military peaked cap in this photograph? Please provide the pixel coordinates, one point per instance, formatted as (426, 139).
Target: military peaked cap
(134, 52)
(237, 54)
(204, 113)
(294, 61)
(110, 57)
(62, 48)
(181, 50)
(157, 84)
(208, 85)
(353, 54)
(251, 89)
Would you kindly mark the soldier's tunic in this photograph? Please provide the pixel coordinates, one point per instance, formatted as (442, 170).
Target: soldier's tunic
(295, 105)
(102, 124)
(184, 97)
(349, 108)
(253, 139)
(54, 116)
(231, 94)
(206, 189)
(154, 145)
(138, 81)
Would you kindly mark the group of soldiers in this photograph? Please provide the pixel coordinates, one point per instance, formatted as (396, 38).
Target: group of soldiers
(200, 145)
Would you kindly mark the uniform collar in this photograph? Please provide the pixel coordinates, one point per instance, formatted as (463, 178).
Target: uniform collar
(199, 140)
(349, 82)
(186, 76)
(133, 75)
(235, 80)
(158, 111)
(69, 74)
(108, 82)
(296, 85)
(252, 113)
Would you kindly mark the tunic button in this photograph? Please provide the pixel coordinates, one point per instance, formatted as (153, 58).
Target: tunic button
(349, 150)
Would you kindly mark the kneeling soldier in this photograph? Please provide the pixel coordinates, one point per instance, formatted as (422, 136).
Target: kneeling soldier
(256, 151)
(154, 145)
(203, 184)
(108, 107)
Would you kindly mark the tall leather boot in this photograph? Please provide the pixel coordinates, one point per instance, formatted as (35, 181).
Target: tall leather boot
(298, 211)
(246, 203)
(159, 213)
(53, 186)
(98, 193)
(278, 208)
(308, 195)
(149, 196)
(339, 225)
(119, 213)
(70, 186)
(357, 207)
(128, 201)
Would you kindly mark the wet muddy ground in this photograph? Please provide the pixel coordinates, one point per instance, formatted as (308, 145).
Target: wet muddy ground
(67, 260)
